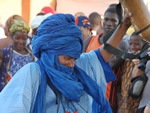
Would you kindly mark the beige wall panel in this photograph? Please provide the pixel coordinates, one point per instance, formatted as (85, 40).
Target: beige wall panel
(8, 8)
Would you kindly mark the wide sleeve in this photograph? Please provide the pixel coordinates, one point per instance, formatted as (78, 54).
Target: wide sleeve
(109, 75)
(19, 94)
(95, 66)
(90, 63)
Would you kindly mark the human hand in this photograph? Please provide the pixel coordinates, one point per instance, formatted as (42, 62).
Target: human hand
(136, 62)
(147, 109)
(136, 71)
(126, 21)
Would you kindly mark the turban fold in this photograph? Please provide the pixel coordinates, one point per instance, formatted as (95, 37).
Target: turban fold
(58, 35)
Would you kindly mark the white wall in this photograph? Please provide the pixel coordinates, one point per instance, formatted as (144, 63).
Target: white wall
(85, 6)
(8, 8)
(36, 6)
(11, 7)
(147, 2)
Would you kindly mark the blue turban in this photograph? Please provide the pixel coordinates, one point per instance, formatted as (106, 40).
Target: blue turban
(53, 37)
(58, 35)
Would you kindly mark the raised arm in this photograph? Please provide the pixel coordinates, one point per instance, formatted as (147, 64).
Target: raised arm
(116, 37)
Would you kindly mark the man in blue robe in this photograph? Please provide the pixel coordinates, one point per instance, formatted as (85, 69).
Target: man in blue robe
(62, 80)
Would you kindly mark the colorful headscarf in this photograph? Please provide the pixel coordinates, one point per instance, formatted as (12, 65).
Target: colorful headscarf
(19, 25)
(83, 21)
(58, 35)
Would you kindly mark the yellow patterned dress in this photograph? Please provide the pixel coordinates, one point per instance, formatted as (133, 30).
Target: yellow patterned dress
(127, 104)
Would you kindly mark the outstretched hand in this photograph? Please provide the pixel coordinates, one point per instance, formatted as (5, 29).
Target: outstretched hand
(136, 71)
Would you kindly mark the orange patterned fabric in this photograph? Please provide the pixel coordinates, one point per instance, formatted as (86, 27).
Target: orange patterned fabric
(8, 77)
(93, 44)
(127, 104)
(112, 90)
(108, 88)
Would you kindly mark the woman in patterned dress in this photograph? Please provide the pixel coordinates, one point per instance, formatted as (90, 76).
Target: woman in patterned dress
(17, 54)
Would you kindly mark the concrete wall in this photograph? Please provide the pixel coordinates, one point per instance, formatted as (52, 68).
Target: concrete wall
(86, 6)
(10, 7)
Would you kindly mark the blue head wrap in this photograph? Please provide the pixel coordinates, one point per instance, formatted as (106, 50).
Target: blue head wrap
(58, 35)
(52, 36)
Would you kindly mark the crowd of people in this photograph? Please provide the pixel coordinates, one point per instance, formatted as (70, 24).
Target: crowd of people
(62, 66)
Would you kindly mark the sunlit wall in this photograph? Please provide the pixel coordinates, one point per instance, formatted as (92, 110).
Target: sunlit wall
(37, 5)
(8, 8)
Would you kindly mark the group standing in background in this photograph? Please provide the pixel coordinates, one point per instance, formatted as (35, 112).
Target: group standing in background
(72, 72)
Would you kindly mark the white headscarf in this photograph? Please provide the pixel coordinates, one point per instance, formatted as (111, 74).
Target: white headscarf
(38, 19)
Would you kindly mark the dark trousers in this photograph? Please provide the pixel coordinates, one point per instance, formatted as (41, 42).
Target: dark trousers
(141, 110)
(114, 109)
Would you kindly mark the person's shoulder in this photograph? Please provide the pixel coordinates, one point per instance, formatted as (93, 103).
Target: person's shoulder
(86, 57)
(87, 54)
(32, 65)
(29, 71)
(30, 68)
(7, 49)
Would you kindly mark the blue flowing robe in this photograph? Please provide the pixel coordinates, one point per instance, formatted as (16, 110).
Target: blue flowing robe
(20, 93)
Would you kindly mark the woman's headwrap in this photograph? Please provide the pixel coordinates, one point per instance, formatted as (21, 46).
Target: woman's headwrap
(58, 35)
(19, 25)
